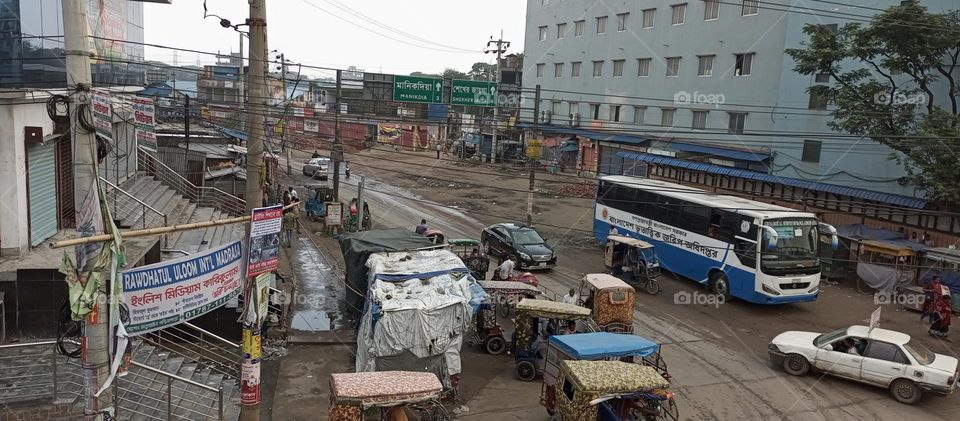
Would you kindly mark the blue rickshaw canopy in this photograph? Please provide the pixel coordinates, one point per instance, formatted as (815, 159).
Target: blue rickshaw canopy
(592, 346)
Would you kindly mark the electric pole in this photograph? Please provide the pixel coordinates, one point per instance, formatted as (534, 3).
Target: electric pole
(501, 48)
(336, 152)
(250, 366)
(186, 120)
(283, 134)
(536, 109)
(96, 331)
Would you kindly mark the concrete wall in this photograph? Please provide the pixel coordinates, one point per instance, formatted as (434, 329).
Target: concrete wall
(14, 216)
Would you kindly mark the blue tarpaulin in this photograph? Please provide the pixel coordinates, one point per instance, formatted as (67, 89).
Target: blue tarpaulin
(862, 232)
(594, 346)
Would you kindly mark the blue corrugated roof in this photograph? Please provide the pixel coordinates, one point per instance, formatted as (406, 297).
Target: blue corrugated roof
(593, 346)
(726, 153)
(893, 199)
(236, 134)
(590, 134)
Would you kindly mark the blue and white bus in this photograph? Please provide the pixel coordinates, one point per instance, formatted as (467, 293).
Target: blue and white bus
(754, 251)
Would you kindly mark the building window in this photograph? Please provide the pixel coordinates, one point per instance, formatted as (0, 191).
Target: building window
(598, 68)
(575, 69)
(618, 68)
(602, 25)
(614, 113)
(750, 7)
(744, 64)
(643, 67)
(561, 29)
(540, 67)
(574, 108)
(648, 16)
(679, 14)
(543, 33)
(622, 22)
(555, 108)
(711, 9)
(666, 116)
(699, 120)
(578, 28)
(544, 2)
(595, 111)
(737, 120)
(811, 151)
(638, 114)
(557, 69)
(818, 98)
(673, 66)
(823, 78)
(705, 66)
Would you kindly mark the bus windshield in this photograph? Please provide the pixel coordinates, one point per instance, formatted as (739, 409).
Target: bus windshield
(796, 248)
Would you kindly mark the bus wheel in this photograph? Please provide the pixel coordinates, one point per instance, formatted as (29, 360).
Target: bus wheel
(720, 285)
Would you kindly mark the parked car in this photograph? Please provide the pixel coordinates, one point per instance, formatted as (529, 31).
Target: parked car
(880, 357)
(317, 168)
(523, 242)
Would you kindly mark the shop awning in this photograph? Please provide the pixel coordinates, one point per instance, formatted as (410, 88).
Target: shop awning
(737, 155)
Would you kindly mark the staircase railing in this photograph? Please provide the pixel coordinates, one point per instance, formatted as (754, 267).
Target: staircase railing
(202, 196)
(143, 206)
(192, 342)
(182, 398)
(30, 372)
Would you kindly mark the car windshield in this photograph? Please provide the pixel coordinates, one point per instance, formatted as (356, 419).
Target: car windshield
(829, 337)
(526, 236)
(797, 243)
(919, 352)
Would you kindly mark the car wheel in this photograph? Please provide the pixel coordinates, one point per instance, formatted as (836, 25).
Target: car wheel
(905, 391)
(526, 371)
(495, 345)
(720, 285)
(796, 365)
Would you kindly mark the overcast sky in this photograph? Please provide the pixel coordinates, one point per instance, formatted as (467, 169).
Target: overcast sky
(427, 35)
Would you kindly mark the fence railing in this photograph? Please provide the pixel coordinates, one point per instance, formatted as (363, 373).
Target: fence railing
(134, 204)
(202, 196)
(149, 393)
(199, 345)
(35, 370)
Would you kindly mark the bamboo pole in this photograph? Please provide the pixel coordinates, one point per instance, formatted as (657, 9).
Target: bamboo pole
(154, 231)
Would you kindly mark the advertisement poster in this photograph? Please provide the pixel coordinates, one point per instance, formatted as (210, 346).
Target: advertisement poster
(264, 240)
(107, 22)
(102, 109)
(164, 294)
(144, 112)
(263, 297)
(388, 134)
(312, 126)
(534, 148)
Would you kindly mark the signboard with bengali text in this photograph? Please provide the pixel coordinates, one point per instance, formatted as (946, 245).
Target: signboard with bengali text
(101, 107)
(264, 251)
(417, 89)
(144, 113)
(473, 92)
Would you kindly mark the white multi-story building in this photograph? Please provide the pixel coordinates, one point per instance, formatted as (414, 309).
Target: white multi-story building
(703, 78)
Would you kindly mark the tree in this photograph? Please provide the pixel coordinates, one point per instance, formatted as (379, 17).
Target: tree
(482, 71)
(449, 73)
(894, 80)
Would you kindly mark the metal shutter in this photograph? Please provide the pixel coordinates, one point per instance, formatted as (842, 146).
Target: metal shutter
(42, 186)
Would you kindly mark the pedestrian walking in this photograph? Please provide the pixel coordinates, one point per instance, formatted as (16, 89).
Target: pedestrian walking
(439, 148)
(295, 210)
(346, 169)
(286, 226)
(937, 308)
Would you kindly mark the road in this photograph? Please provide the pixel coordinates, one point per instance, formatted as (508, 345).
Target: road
(716, 354)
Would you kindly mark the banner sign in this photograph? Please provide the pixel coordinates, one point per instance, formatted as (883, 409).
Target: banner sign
(102, 109)
(171, 292)
(311, 126)
(264, 248)
(144, 113)
(263, 297)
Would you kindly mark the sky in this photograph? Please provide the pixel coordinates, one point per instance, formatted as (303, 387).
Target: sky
(427, 35)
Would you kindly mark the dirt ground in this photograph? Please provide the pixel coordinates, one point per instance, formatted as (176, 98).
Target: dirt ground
(717, 354)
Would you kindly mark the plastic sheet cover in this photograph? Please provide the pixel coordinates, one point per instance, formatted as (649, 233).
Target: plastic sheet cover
(419, 302)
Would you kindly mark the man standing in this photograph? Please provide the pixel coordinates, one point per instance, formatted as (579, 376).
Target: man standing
(294, 195)
(422, 228)
(571, 297)
(439, 148)
(271, 195)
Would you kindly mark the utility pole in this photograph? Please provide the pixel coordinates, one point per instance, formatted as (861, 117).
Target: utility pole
(186, 121)
(336, 152)
(96, 330)
(501, 48)
(250, 366)
(536, 111)
(283, 134)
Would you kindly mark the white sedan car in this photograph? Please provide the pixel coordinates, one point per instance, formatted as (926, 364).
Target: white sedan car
(879, 357)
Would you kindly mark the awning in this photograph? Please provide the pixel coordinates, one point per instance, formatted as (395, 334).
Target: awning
(893, 199)
(734, 154)
(236, 134)
(592, 134)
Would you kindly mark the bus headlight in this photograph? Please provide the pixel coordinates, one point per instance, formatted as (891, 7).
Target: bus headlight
(770, 291)
(814, 290)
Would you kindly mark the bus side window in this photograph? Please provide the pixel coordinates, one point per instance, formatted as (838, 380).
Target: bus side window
(746, 251)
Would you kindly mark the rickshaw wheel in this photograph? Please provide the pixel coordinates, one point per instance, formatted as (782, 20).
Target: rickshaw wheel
(495, 345)
(526, 371)
(653, 287)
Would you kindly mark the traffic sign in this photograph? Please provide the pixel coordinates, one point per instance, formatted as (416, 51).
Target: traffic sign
(473, 92)
(417, 89)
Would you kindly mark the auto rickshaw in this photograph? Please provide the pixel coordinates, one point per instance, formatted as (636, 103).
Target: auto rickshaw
(605, 346)
(536, 321)
(473, 258)
(316, 204)
(352, 395)
(500, 297)
(610, 391)
(634, 261)
(508, 293)
(610, 300)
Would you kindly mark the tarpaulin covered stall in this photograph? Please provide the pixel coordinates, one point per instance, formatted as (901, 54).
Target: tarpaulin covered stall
(357, 247)
(420, 303)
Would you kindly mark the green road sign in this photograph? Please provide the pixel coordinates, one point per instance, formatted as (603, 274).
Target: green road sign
(473, 92)
(417, 89)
